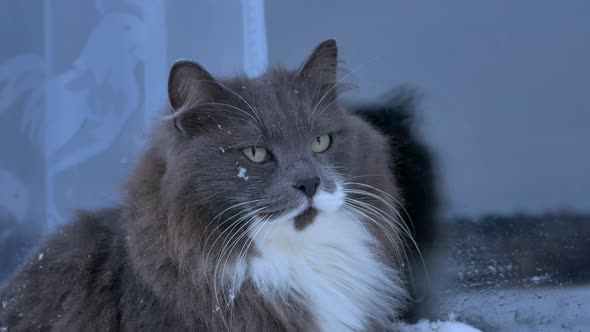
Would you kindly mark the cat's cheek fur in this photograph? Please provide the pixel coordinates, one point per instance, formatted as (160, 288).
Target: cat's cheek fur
(331, 266)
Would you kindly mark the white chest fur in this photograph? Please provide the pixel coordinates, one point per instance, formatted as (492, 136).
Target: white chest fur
(331, 264)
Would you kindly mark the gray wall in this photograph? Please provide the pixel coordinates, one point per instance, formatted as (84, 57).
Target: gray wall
(506, 87)
(207, 31)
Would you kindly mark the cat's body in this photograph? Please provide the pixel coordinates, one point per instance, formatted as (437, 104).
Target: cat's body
(261, 207)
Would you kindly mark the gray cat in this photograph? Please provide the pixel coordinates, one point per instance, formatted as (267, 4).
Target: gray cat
(259, 205)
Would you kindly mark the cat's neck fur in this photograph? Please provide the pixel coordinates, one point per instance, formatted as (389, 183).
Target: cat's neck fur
(332, 267)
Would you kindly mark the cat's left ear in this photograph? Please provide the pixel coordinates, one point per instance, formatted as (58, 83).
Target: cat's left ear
(189, 84)
(322, 64)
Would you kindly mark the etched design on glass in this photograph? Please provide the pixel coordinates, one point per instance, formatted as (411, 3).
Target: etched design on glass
(14, 198)
(78, 113)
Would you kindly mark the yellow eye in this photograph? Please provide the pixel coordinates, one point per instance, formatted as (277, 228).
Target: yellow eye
(321, 143)
(256, 154)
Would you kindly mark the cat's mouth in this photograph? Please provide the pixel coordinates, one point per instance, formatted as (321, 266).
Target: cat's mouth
(301, 216)
(305, 218)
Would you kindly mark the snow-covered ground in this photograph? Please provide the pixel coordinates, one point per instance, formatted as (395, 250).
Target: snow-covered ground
(436, 326)
(556, 309)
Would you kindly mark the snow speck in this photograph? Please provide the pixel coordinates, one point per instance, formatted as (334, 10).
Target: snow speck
(541, 278)
(243, 87)
(229, 131)
(295, 91)
(4, 304)
(222, 149)
(219, 126)
(40, 257)
(452, 316)
(242, 173)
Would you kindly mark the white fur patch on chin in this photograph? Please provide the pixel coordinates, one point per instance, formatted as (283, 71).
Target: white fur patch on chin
(331, 264)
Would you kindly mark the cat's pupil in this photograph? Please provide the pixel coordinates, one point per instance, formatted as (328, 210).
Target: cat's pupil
(253, 152)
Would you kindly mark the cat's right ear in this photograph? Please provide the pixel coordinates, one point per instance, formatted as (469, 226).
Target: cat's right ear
(189, 84)
(322, 64)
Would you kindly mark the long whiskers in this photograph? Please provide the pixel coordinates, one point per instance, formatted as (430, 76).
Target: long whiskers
(392, 235)
(396, 219)
(224, 211)
(249, 214)
(259, 225)
(374, 213)
(393, 198)
(230, 243)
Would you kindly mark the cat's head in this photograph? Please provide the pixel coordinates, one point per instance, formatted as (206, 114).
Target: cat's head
(277, 148)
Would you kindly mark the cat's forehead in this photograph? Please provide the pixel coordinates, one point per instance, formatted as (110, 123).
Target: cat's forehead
(284, 104)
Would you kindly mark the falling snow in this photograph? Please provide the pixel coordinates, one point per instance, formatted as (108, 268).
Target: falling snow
(540, 279)
(40, 257)
(222, 149)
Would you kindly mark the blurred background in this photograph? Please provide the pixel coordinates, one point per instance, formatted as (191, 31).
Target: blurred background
(505, 108)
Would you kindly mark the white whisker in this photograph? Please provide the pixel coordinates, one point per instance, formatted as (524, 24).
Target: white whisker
(229, 208)
(388, 195)
(386, 216)
(366, 214)
(233, 225)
